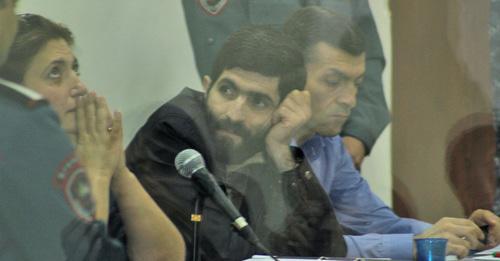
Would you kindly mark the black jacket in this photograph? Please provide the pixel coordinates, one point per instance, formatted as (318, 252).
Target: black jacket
(289, 211)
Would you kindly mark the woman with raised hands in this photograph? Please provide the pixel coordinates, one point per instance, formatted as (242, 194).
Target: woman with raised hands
(41, 59)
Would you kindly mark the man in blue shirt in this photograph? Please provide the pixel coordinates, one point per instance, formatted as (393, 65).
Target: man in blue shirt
(335, 62)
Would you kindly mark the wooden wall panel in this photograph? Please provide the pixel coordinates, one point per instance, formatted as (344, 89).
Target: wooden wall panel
(440, 76)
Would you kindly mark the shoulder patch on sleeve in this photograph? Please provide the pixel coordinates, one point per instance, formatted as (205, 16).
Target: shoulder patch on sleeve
(72, 180)
(212, 7)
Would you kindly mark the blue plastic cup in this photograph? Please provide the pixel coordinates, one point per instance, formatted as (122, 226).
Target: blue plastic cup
(431, 249)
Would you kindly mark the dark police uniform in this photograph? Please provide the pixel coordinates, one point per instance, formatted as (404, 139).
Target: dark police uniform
(46, 208)
(210, 22)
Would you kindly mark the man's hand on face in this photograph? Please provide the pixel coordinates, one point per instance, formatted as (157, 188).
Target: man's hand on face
(462, 234)
(483, 217)
(292, 115)
(356, 148)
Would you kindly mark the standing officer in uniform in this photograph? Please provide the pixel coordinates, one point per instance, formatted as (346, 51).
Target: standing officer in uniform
(210, 22)
(47, 211)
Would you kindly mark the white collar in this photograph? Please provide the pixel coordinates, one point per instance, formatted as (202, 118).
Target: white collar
(21, 89)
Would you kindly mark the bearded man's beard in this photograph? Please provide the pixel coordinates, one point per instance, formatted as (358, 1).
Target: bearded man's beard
(227, 150)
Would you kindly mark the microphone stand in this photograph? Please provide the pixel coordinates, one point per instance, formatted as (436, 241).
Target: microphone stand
(198, 210)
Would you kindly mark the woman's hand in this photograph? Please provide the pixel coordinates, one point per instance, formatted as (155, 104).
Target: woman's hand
(99, 141)
(99, 147)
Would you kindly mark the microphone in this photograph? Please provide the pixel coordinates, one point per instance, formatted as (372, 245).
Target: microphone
(190, 164)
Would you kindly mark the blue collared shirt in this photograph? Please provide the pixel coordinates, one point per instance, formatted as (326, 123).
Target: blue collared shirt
(372, 228)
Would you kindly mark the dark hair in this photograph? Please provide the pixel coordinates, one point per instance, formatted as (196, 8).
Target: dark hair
(34, 32)
(266, 51)
(311, 25)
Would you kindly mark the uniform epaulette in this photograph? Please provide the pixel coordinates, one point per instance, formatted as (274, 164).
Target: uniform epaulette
(21, 94)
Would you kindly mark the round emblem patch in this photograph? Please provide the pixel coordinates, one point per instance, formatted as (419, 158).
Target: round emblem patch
(212, 7)
(72, 180)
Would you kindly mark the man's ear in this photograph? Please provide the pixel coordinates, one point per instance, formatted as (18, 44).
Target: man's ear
(206, 82)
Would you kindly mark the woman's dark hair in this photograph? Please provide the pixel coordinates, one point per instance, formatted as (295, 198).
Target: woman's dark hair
(34, 32)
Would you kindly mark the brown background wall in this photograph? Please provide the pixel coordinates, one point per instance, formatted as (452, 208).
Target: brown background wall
(440, 76)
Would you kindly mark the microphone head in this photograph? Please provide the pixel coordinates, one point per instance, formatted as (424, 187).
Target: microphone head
(188, 162)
